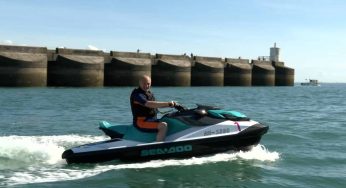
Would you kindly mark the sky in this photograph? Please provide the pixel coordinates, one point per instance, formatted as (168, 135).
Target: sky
(311, 34)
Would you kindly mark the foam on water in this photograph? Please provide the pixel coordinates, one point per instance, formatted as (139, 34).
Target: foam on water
(28, 150)
(41, 159)
(257, 153)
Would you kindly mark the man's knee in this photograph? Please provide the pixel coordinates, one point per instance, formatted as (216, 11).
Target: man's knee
(162, 126)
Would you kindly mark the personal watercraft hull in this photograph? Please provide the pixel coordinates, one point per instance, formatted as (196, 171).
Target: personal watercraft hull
(244, 140)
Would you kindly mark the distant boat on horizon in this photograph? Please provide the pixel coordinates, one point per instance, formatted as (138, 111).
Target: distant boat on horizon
(312, 82)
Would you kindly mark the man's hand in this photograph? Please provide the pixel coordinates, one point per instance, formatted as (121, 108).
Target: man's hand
(172, 104)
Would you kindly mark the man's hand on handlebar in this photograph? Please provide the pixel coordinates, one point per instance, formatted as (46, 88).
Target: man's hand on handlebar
(172, 104)
(180, 108)
(177, 106)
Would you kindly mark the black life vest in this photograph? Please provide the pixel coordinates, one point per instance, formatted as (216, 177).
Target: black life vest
(139, 110)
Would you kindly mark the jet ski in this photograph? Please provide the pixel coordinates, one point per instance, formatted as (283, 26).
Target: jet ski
(202, 130)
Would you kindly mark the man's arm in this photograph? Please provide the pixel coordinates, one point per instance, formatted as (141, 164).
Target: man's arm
(159, 104)
(141, 99)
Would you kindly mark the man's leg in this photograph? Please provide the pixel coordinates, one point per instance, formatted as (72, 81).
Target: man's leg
(162, 130)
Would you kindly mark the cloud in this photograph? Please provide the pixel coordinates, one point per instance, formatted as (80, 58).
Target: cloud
(7, 42)
(91, 47)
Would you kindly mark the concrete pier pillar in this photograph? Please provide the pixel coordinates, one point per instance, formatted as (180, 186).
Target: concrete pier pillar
(284, 76)
(171, 70)
(238, 72)
(76, 68)
(125, 68)
(263, 73)
(207, 71)
(22, 66)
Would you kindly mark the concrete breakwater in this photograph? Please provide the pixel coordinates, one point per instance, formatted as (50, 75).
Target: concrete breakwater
(22, 66)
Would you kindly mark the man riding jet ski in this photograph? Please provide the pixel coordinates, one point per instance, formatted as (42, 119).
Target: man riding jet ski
(184, 133)
(144, 109)
(191, 132)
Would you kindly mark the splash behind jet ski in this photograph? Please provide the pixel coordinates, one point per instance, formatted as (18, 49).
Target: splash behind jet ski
(191, 132)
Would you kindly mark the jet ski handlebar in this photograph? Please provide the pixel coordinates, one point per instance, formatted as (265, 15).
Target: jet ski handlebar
(180, 107)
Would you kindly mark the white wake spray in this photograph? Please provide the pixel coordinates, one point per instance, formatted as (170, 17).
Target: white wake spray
(39, 149)
(40, 158)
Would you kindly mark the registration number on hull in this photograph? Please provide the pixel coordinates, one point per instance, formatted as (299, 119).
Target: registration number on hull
(217, 131)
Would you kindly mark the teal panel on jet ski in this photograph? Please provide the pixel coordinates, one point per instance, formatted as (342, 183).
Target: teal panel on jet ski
(134, 134)
(129, 131)
(174, 125)
(219, 113)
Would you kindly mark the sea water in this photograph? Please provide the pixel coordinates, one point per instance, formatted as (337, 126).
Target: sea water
(304, 147)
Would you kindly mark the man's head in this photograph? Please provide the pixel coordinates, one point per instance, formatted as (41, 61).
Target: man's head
(145, 82)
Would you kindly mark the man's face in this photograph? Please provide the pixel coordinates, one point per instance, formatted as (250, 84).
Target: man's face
(145, 84)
